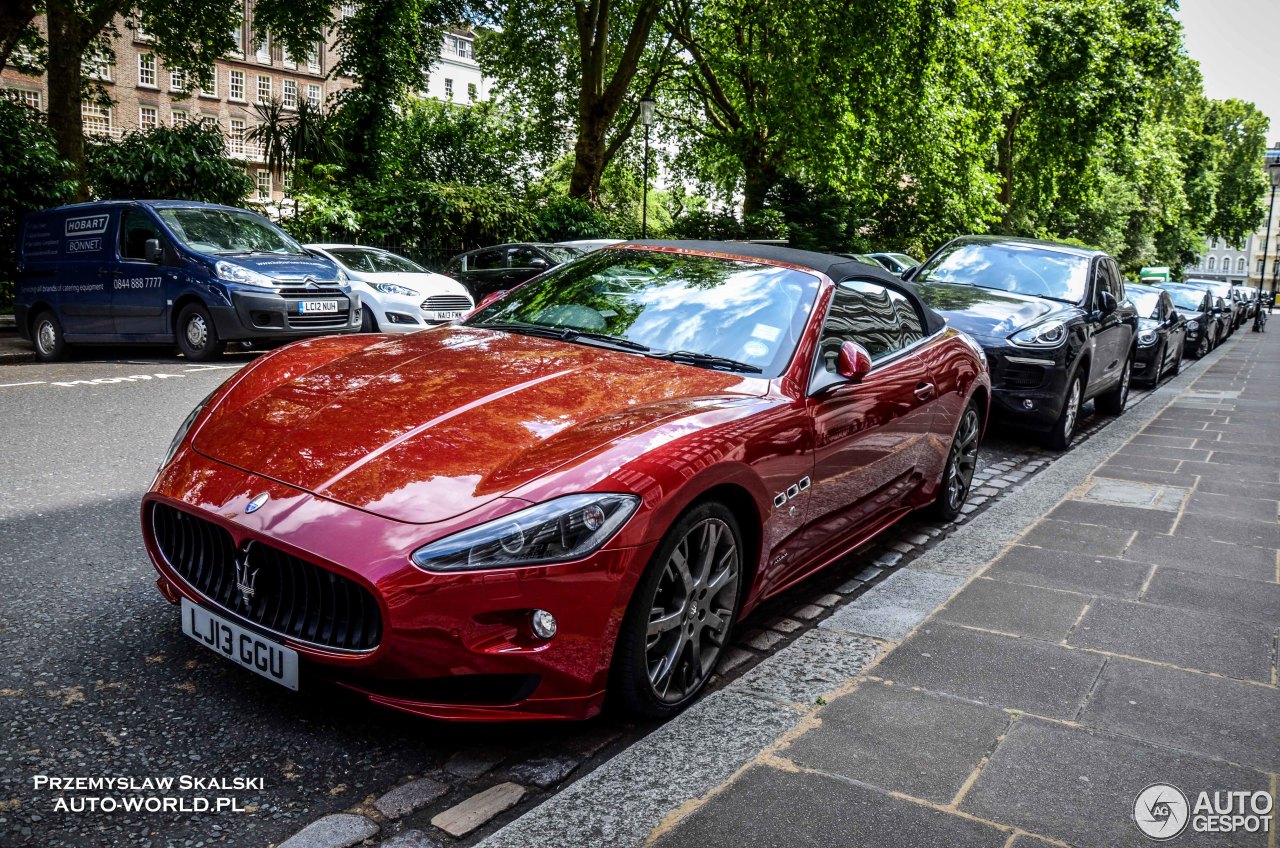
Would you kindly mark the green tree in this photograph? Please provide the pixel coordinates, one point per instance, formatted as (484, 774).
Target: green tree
(32, 176)
(187, 162)
(481, 144)
(1239, 131)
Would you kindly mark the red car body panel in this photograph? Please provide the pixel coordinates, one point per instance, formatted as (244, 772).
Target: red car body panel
(371, 448)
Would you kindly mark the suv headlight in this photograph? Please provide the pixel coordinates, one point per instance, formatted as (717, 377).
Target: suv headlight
(1146, 338)
(1048, 334)
(233, 273)
(559, 530)
(392, 288)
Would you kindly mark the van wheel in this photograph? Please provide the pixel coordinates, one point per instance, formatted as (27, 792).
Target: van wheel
(197, 337)
(46, 334)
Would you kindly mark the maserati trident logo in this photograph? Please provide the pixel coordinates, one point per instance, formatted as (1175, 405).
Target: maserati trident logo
(245, 577)
(256, 504)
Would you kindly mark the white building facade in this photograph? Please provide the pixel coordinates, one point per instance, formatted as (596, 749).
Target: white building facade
(456, 78)
(1245, 266)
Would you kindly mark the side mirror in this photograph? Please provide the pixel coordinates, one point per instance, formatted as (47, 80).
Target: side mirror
(1109, 303)
(854, 362)
(151, 250)
(538, 262)
(909, 274)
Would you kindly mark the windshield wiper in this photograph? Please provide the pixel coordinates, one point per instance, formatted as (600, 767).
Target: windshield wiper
(616, 341)
(707, 360)
(565, 334)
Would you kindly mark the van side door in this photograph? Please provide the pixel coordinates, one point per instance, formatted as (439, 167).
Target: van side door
(138, 302)
(86, 270)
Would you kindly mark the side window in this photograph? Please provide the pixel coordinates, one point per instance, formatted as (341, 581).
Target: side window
(522, 257)
(488, 260)
(911, 328)
(1117, 281)
(865, 313)
(136, 227)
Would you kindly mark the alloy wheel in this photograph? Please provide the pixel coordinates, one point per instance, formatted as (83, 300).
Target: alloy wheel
(1072, 410)
(1125, 376)
(963, 460)
(693, 607)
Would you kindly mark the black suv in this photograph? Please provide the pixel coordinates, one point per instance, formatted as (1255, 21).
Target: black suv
(1053, 319)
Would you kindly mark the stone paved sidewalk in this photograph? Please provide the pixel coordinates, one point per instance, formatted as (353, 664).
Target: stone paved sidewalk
(1111, 626)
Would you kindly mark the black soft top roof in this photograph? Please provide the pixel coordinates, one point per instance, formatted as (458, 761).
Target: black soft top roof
(838, 268)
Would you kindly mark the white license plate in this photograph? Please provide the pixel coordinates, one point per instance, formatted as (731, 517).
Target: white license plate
(311, 307)
(244, 647)
(444, 316)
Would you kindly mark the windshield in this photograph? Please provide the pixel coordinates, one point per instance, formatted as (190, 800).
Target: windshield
(562, 252)
(375, 261)
(1187, 298)
(1145, 300)
(1023, 269)
(227, 231)
(743, 311)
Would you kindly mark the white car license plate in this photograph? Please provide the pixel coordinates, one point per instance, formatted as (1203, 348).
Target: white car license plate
(312, 307)
(274, 662)
(445, 316)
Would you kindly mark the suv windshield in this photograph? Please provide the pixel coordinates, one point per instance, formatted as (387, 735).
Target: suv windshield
(661, 302)
(1023, 269)
(375, 261)
(227, 231)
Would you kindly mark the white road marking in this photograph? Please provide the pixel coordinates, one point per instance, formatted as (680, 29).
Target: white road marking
(105, 381)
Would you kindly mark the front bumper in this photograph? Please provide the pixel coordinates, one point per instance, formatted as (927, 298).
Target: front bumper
(267, 315)
(1028, 387)
(1145, 363)
(453, 646)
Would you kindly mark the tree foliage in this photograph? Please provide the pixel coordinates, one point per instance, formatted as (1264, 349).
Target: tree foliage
(187, 162)
(32, 176)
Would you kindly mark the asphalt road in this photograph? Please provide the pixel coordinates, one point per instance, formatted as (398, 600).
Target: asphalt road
(97, 680)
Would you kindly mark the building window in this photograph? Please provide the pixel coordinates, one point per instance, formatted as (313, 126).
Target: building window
(458, 46)
(287, 183)
(96, 117)
(313, 59)
(235, 86)
(262, 51)
(264, 185)
(448, 89)
(25, 96)
(237, 38)
(147, 70)
(1260, 266)
(178, 117)
(264, 89)
(177, 81)
(148, 117)
(289, 95)
(235, 139)
(348, 10)
(1212, 262)
(1240, 265)
(98, 66)
(471, 91)
(313, 94)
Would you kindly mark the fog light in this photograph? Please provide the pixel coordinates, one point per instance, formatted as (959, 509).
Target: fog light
(544, 624)
(1028, 404)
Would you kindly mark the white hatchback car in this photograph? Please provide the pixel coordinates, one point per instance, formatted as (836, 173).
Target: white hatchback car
(396, 294)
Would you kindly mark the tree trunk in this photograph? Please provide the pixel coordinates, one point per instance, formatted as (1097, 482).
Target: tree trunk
(759, 176)
(15, 17)
(65, 55)
(589, 157)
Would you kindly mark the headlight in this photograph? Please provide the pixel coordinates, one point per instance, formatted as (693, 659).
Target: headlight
(564, 529)
(1146, 338)
(1048, 334)
(1192, 326)
(392, 288)
(183, 429)
(342, 277)
(234, 273)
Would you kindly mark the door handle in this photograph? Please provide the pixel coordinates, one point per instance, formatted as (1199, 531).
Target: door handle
(924, 391)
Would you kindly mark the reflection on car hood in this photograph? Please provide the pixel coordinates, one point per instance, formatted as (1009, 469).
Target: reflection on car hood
(286, 266)
(424, 427)
(990, 316)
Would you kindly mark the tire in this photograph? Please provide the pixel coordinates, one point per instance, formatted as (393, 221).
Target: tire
(1112, 403)
(47, 337)
(1202, 348)
(197, 337)
(368, 324)
(962, 461)
(1159, 363)
(1177, 362)
(645, 671)
(1059, 438)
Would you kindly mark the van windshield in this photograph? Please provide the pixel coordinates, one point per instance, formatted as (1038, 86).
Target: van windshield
(226, 232)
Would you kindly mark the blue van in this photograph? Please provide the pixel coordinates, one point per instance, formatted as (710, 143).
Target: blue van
(165, 271)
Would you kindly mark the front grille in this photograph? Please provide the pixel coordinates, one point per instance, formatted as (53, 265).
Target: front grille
(308, 322)
(291, 596)
(324, 287)
(446, 302)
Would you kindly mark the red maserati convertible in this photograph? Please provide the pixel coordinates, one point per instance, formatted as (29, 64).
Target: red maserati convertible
(578, 490)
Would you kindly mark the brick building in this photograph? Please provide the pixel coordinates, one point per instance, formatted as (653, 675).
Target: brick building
(146, 93)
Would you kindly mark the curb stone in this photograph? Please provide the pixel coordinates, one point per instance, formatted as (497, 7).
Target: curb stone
(339, 830)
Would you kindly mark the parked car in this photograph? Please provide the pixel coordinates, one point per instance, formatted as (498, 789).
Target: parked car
(397, 295)
(1052, 318)
(1162, 333)
(505, 266)
(166, 271)
(1249, 297)
(1196, 304)
(589, 245)
(898, 263)
(1230, 302)
(580, 488)
(864, 258)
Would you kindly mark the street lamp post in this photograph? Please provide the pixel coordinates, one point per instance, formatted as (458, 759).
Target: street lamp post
(648, 111)
(1273, 170)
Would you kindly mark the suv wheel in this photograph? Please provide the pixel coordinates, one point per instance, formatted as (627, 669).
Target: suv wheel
(1112, 403)
(1064, 429)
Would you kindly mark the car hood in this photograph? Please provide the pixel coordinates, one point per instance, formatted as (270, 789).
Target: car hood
(424, 427)
(990, 316)
(287, 267)
(424, 284)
